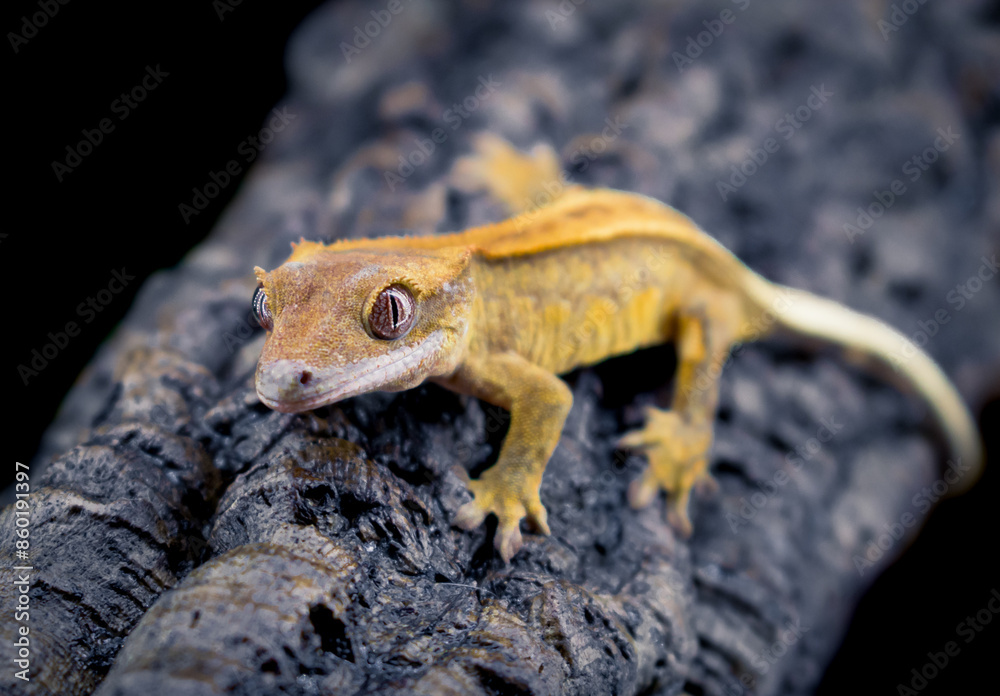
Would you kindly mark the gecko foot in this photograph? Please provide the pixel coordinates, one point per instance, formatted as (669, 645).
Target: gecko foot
(678, 462)
(509, 502)
(521, 181)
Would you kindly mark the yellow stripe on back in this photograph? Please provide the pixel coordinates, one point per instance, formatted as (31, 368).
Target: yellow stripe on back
(578, 217)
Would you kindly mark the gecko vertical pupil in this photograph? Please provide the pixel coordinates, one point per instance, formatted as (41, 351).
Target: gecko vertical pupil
(260, 310)
(393, 312)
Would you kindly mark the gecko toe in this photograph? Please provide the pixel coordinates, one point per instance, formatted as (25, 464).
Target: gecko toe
(462, 474)
(508, 541)
(641, 493)
(469, 516)
(538, 516)
(706, 485)
(679, 520)
(637, 439)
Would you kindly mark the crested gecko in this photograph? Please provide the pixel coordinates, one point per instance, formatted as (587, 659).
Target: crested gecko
(498, 311)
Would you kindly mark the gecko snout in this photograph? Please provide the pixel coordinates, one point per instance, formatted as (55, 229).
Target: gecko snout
(286, 385)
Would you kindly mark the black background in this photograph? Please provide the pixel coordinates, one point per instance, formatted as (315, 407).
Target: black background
(119, 210)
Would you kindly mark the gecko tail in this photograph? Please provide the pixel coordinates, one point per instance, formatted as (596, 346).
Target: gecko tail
(872, 343)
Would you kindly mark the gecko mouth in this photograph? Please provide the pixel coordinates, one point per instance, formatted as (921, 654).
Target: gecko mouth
(292, 386)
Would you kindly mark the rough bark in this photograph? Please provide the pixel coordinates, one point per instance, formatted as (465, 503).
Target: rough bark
(200, 543)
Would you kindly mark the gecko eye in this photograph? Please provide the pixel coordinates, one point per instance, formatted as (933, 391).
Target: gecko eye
(260, 311)
(393, 313)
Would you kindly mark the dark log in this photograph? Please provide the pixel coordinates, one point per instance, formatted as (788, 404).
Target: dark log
(196, 542)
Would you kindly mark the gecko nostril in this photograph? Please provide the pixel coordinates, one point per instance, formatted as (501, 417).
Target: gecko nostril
(305, 377)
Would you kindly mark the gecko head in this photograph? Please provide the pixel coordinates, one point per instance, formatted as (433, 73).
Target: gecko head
(347, 321)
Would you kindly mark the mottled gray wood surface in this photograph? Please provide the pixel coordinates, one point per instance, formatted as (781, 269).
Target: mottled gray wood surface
(191, 541)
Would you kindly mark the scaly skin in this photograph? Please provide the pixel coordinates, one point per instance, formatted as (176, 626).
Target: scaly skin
(500, 310)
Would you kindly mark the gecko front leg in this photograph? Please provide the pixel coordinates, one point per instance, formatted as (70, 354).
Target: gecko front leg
(538, 402)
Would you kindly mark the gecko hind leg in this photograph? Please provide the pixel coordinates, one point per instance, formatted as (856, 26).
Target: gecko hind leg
(521, 181)
(677, 442)
(678, 463)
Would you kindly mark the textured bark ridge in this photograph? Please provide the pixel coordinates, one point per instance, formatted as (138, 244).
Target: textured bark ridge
(195, 542)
